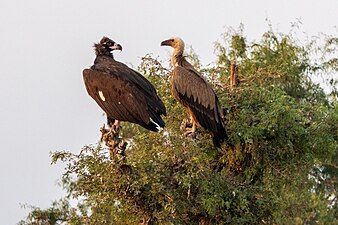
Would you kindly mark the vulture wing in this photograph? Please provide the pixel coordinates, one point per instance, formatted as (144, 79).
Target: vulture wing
(124, 94)
(192, 91)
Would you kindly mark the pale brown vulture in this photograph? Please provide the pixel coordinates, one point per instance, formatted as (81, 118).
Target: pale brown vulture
(122, 93)
(196, 94)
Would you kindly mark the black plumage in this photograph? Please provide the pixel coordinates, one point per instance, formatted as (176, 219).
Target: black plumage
(122, 93)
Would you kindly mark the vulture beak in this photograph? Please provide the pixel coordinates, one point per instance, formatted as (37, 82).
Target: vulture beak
(166, 43)
(116, 47)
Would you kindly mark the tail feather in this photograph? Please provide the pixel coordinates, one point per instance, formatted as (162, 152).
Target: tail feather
(156, 118)
(151, 126)
(219, 135)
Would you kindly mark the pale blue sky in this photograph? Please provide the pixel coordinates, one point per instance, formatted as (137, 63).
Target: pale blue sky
(45, 45)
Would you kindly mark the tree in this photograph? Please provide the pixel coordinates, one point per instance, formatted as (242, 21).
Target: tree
(279, 165)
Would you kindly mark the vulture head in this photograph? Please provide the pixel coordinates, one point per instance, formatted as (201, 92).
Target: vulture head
(176, 43)
(106, 46)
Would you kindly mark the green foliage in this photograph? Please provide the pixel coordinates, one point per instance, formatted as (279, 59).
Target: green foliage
(57, 213)
(279, 165)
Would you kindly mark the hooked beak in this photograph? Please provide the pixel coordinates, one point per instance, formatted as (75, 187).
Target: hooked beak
(116, 47)
(166, 43)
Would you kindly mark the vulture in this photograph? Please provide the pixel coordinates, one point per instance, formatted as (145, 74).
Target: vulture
(121, 92)
(195, 94)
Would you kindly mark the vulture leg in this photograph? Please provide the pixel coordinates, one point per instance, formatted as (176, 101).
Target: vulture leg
(116, 127)
(190, 131)
(188, 126)
(112, 132)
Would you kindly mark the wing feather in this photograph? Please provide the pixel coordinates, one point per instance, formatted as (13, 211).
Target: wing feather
(123, 101)
(131, 76)
(192, 91)
(117, 103)
(191, 84)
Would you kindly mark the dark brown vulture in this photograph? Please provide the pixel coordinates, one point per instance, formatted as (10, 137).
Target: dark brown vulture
(196, 94)
(122, 93)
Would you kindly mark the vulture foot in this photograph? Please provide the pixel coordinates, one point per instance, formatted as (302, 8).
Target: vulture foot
(190, 132)
(186, 123)
(112, 140)
(188, 127)
(116, 127)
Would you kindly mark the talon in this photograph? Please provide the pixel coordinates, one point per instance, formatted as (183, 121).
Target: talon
(186, 124)
(190, 130)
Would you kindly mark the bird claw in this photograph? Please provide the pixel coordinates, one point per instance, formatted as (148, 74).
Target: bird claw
(186, 124)
(188, 128)
(190, 132)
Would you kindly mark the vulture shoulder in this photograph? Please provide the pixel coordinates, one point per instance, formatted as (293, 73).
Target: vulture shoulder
(190, 85)
(115, 96)
(123, 72)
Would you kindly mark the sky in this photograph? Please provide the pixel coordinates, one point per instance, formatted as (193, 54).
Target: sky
(45, 45)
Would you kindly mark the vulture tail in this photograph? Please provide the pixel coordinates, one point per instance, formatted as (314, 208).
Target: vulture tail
(219, 135)
(155, 121)
(156, 117)
(151, 126)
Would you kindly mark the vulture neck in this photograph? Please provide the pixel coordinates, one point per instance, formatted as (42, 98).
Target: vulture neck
(177, 56)
(101, 51)
(105, 53)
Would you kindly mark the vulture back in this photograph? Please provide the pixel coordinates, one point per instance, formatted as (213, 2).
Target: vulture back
(123, 93)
